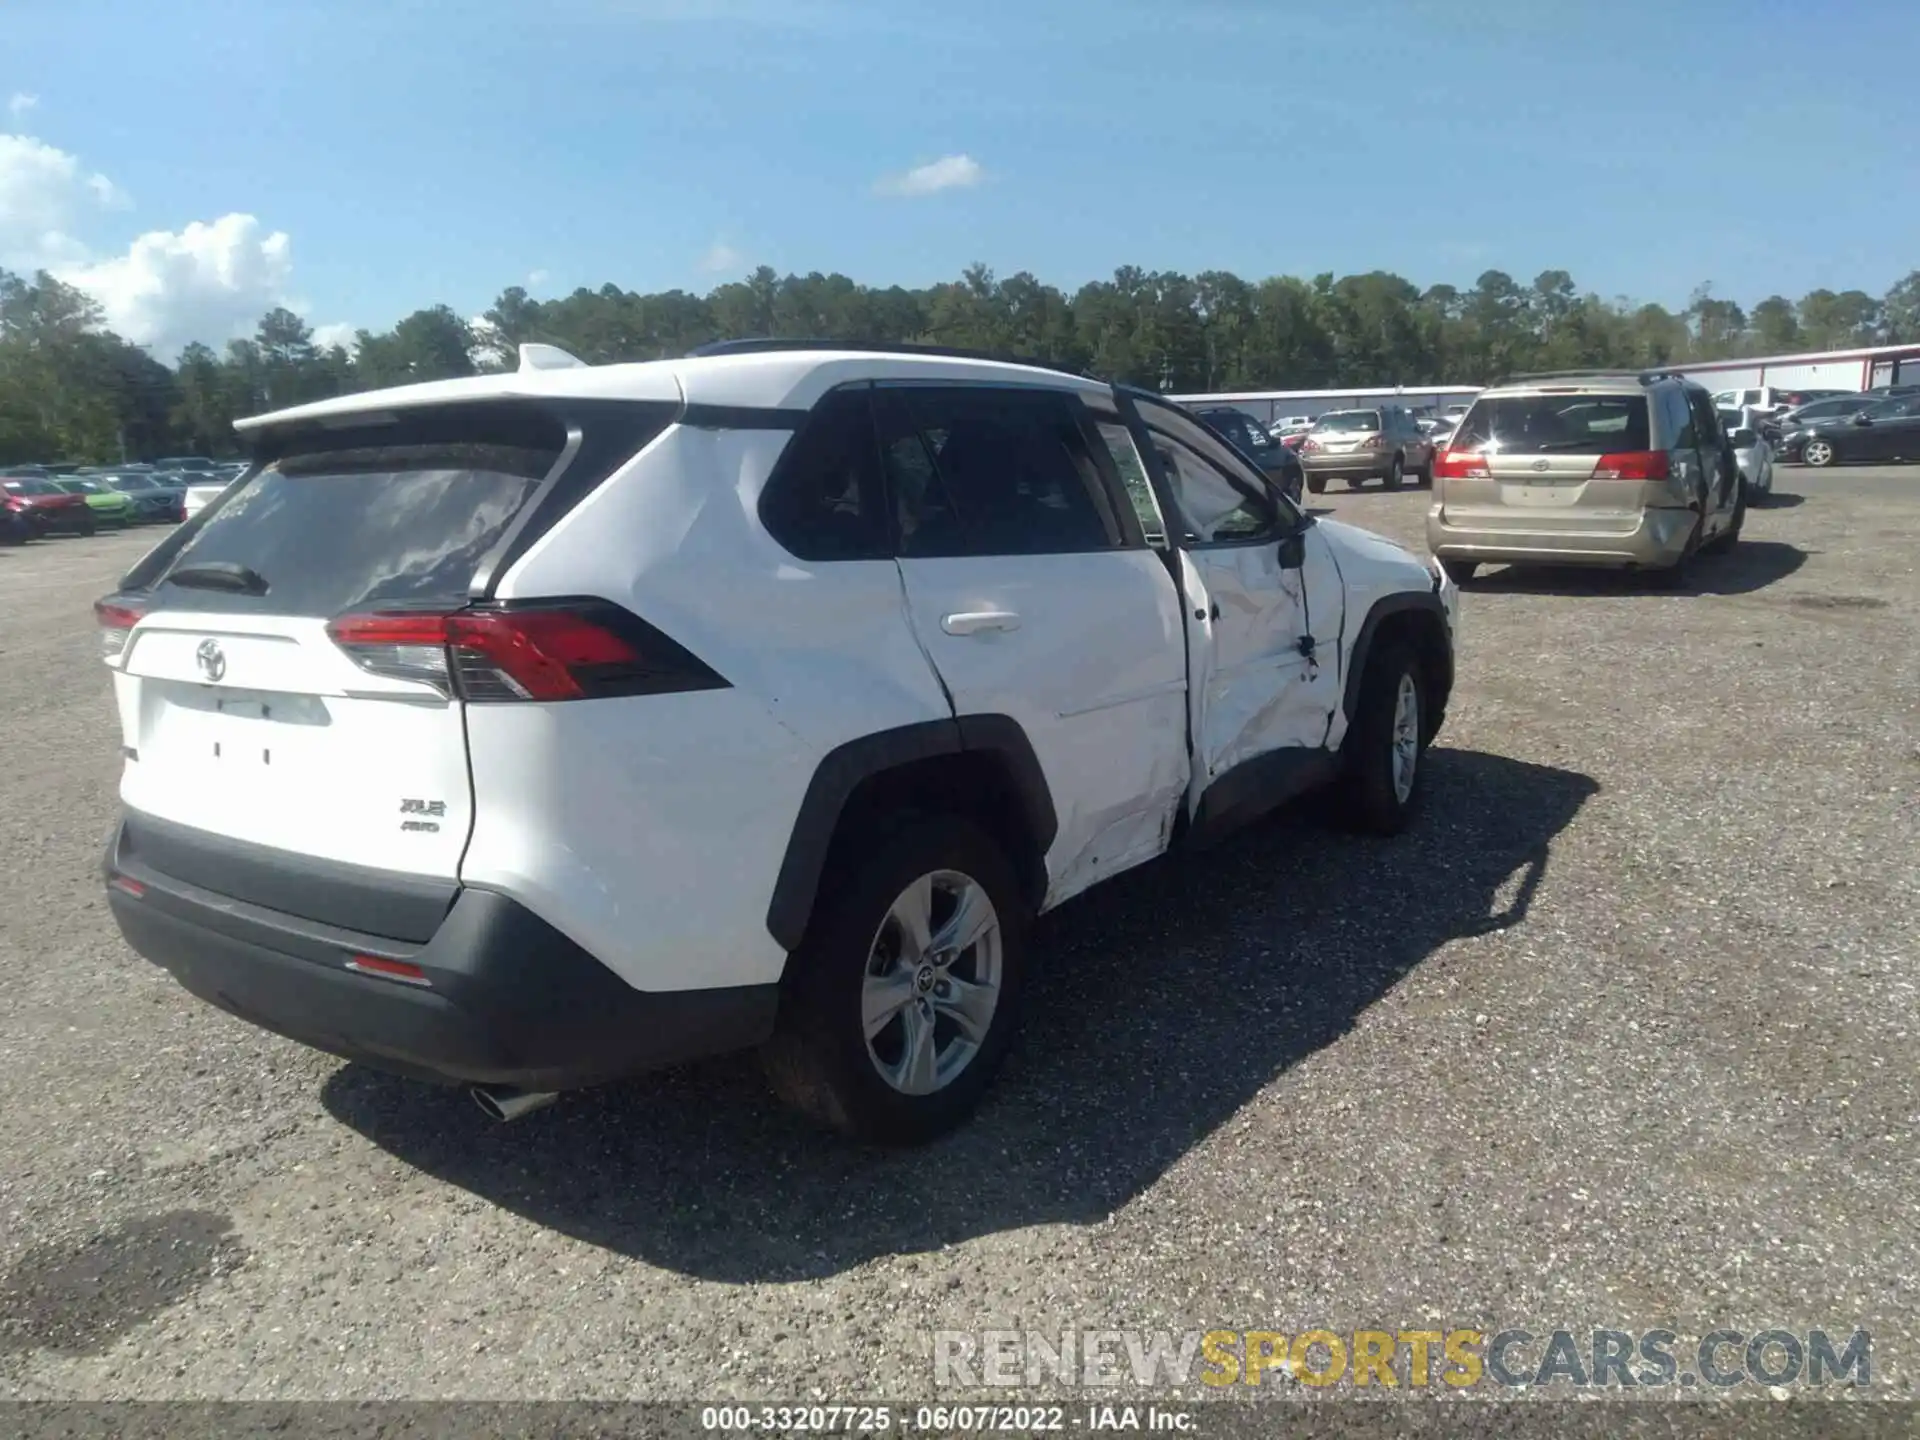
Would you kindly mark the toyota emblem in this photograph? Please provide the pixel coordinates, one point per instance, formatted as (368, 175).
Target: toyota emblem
(1543, 465)
(211, 659)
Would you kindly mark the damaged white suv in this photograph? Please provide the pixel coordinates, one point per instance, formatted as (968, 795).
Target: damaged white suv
(532, 730)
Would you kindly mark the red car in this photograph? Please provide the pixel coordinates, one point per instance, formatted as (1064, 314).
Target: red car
(43, 508)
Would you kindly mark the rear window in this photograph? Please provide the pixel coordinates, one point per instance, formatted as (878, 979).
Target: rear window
(1543, 424)
(1356, 420)
(372, 527)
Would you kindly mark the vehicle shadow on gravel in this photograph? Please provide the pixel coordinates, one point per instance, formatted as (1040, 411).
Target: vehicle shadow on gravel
(1751, 565)
(1161, 1003)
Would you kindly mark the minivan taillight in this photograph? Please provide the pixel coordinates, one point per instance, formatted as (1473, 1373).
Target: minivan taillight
(1461, 465)
(566, 650)
(116, 619)
(1633, 465)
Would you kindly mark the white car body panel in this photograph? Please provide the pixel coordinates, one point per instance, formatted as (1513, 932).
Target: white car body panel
(1085, 652)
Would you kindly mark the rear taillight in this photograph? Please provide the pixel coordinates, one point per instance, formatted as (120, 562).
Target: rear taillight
(1309, 445)
(1461, 465)
(1372, 442)
(1633, 465)
(116, 619)
(575, 650)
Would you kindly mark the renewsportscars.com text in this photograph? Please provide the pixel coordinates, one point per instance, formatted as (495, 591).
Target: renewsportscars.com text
(1413, 1358)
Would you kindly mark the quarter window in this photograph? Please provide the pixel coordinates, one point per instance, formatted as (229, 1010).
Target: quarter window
(823, 501)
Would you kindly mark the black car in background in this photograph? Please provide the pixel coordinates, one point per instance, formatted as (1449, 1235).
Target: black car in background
(1886, 430)
(1252, 440)
(154, 500)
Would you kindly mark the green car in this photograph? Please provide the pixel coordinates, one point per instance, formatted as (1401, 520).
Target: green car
(109, 506)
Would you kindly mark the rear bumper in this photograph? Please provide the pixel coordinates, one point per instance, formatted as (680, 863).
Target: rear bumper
(508, 1000)
(1370, 463)
(1658, 539)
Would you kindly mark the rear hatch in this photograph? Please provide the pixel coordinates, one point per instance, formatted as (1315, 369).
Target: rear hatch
(244, 710)
(1346, 433)
(1557, 459)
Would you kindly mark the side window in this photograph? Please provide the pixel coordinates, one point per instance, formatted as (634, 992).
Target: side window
(823, 500)
(1133, 474)
(1214, 508)
(991, 471)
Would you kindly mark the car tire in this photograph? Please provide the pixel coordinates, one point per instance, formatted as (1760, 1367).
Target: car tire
(886, 1087)
(1316, 484)
(1396, 472)
(1426, 473)
(1819, 453)
(1384, 754)
(88, 528)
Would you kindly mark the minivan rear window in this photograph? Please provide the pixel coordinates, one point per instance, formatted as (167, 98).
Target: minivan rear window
(1546, 424)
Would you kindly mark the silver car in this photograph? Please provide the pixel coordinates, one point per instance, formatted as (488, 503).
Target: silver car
(1381, 442)
(1587, 468)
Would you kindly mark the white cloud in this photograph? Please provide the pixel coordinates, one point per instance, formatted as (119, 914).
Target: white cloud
(45, 196)
(19, 103)
(949, 172)
(537, 278)
(721, 257)
(208, 281)
(339, 333)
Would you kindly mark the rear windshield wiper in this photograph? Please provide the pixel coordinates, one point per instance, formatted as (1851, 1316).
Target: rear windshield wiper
(220, 575)
(1588, 444)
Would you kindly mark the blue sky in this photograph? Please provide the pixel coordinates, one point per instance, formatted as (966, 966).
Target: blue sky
(416, 151)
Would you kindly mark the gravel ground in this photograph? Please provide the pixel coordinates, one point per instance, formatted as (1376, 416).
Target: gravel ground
(1623, 1033)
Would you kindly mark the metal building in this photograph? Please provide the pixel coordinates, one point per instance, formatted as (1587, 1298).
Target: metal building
(1267, 406)
(1862, 369)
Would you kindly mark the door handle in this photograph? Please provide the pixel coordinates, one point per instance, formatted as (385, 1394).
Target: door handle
(972, 622)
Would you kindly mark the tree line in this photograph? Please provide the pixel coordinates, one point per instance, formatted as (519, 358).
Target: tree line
(72, 389)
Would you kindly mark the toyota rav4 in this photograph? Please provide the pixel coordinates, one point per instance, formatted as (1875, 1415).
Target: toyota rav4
(532, 730)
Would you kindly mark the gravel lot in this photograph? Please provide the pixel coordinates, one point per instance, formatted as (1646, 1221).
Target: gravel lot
(1624, 1033)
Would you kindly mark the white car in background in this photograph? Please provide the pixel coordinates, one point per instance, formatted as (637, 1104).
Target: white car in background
(1751, 450)
(204, 492)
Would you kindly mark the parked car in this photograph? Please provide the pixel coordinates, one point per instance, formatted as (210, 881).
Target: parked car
(47, 508)
(1887, 431)
(1379, 443)
(742, 730)
(196, 498)
(1752, 452)
(184, 462)
(1279, 463)
(1587, 468)
(1290, 425)
(153, 503)
(108, 505)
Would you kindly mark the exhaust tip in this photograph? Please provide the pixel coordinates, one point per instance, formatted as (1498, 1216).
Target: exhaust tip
(504, 1102)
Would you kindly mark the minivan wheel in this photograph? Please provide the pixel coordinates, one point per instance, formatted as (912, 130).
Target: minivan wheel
(1385, 750)
(1396, 472)
(905, 995)
(1317, 484)
(1818, 453)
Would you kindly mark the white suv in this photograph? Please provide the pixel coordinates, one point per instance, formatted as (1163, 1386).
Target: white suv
(532, 730)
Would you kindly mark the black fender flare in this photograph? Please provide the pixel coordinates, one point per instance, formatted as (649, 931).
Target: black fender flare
(1384, 609)
(844, 769)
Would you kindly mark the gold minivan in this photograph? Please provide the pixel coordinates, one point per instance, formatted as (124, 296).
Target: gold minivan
(1616, 469)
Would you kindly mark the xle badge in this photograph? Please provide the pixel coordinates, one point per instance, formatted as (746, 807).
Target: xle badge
(435, 808)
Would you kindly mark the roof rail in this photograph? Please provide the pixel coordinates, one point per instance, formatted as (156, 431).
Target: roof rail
(774, 345)
(548, 357)
(1607, 372)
